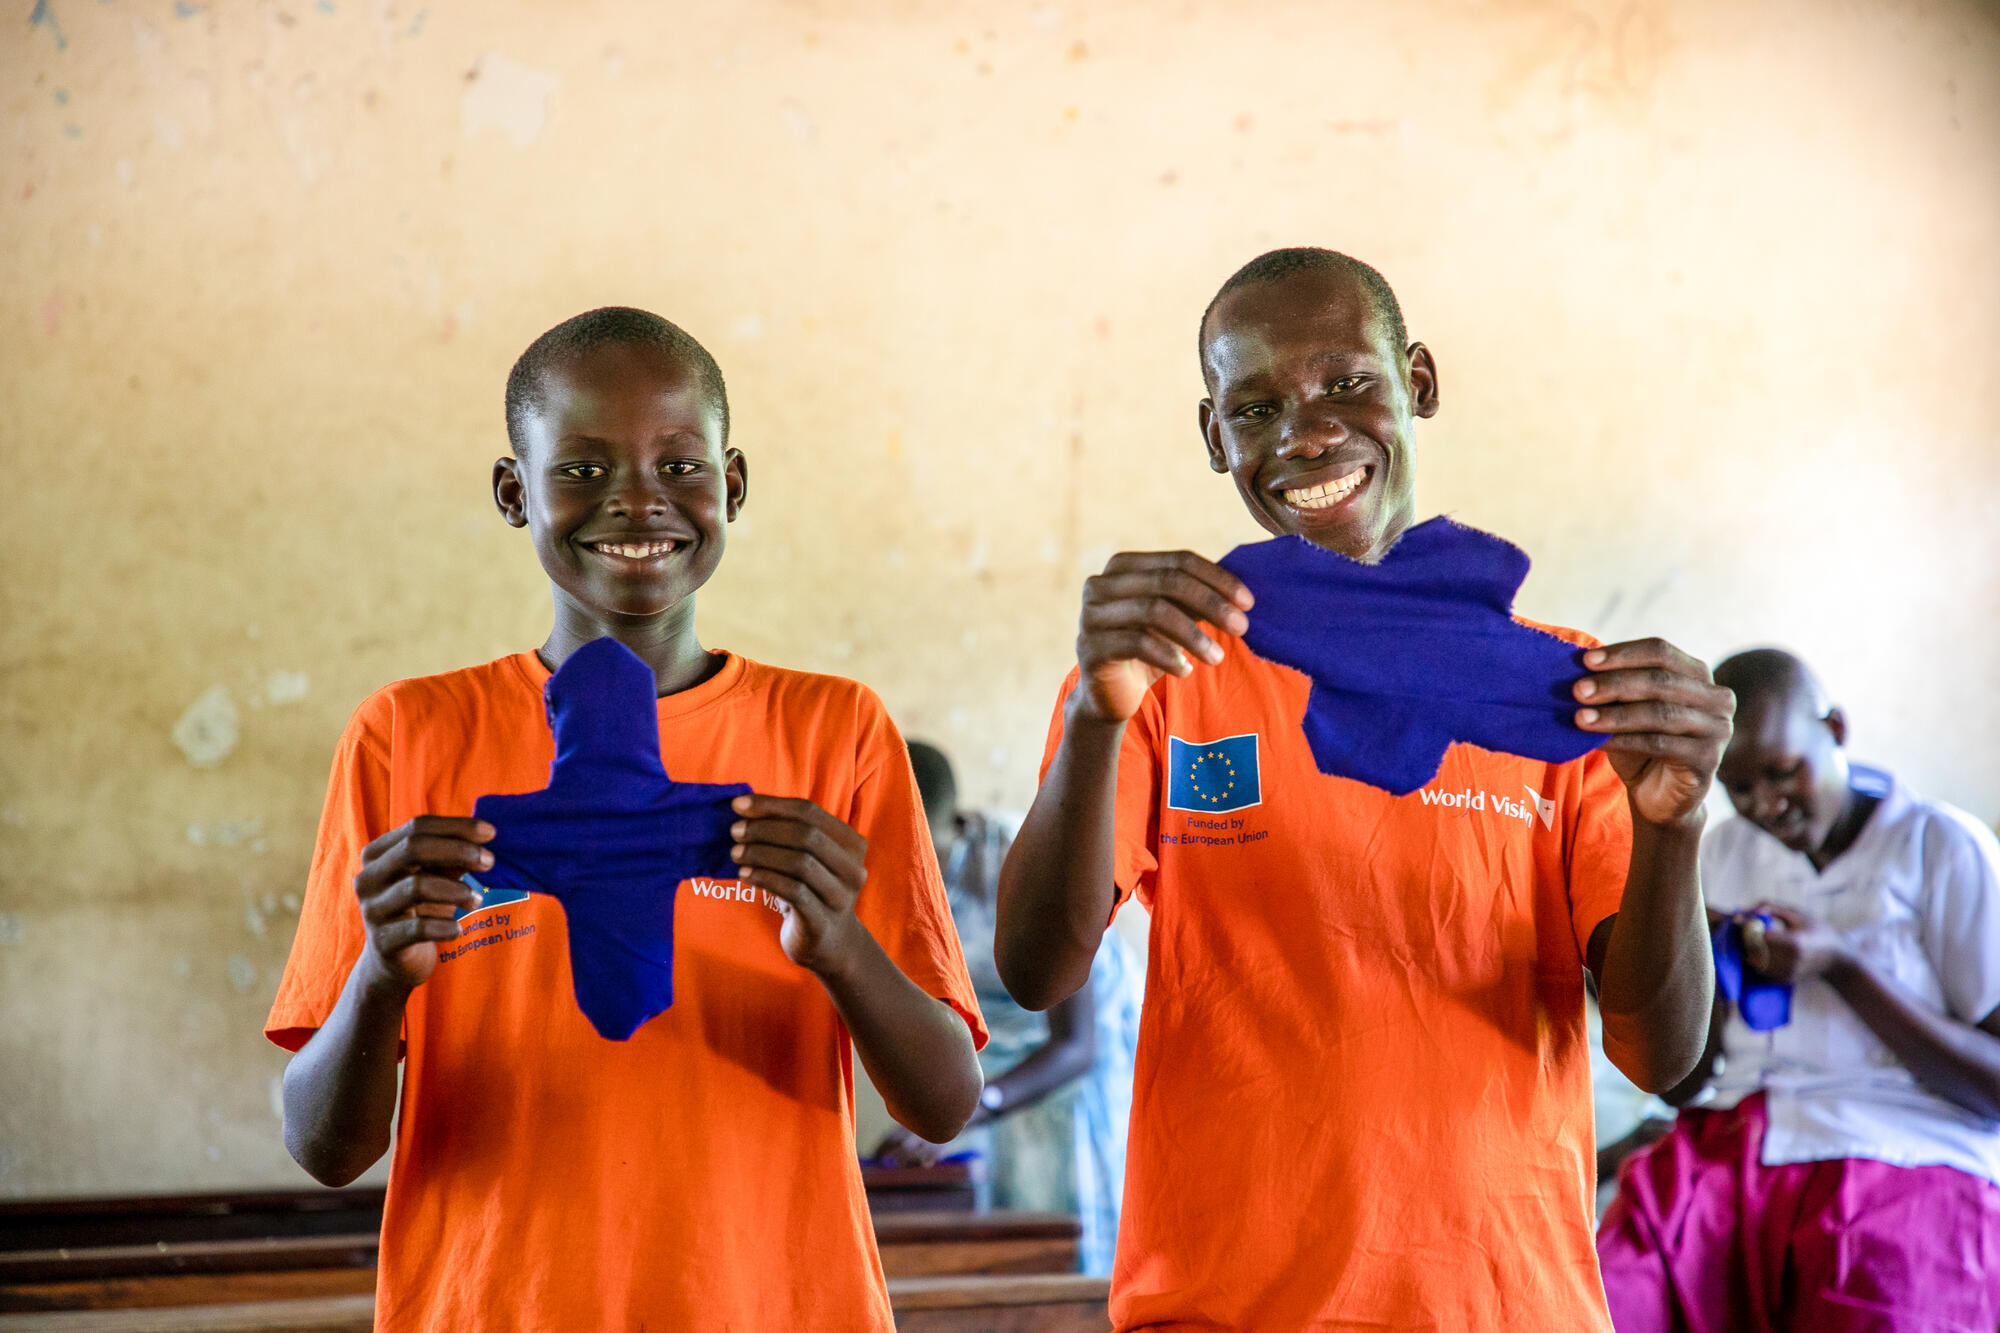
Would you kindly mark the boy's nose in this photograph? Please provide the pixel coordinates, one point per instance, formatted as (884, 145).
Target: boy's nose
(639, 496)
(1767, 804)
(1309, 437)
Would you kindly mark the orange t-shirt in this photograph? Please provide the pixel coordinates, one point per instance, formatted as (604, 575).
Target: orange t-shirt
(700, 1175)
(1362, 1095)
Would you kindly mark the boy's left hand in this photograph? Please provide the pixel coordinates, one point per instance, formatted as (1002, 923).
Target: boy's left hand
(1668, 722)
(812, 863)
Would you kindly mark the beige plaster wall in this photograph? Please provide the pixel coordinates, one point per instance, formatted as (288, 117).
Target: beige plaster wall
(1714, 288)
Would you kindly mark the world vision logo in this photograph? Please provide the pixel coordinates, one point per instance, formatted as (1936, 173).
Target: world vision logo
(1496, 802)
(735, 891)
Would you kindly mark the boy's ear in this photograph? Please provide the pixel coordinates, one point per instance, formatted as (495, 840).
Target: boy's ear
(510, 497)
(1423, 381)
(1836, 722)
(735, 482)
(1211, 435)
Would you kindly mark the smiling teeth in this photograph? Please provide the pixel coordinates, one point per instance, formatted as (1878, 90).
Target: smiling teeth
(1332, 493)
(636, 550)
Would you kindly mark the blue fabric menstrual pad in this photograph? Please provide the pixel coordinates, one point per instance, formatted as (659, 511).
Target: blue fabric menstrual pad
(612, 836)
(1765, 1004)
(1408, 655)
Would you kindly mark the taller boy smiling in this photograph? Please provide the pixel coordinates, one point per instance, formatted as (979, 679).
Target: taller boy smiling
(701, 1174)
(1362, 1096)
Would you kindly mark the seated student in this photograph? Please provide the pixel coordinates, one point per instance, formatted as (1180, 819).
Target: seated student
(702, 1173)
(1363, 1095)
(1061, 1153)
(1841, 1176)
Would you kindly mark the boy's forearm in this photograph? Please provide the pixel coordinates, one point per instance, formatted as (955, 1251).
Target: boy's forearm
(1688, 1089)
(340, 1089)
(917, 1050)
(1057, 889)
(1657, 990)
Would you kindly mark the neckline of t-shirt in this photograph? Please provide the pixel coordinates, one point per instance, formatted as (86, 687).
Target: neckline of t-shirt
(1859, 858)
(678, 704)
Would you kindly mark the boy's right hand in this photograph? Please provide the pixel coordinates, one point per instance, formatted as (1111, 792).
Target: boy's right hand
(1142, 619)
(411, 893)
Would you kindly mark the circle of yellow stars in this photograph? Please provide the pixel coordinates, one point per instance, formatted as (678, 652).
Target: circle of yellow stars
(1229, 780)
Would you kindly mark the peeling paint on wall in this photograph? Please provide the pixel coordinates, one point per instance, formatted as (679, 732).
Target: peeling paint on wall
(508, 98)
(242, 973)
(44, 17)
(286, 687)
(228, 833)
(209, 729)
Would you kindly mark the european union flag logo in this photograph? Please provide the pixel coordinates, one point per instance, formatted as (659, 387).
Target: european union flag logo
(1214, 775)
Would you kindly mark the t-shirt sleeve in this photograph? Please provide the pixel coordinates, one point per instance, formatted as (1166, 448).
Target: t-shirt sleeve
(330, 935)
(1962, 917)
(1135, 863)
(903, 901)
(1597, 845)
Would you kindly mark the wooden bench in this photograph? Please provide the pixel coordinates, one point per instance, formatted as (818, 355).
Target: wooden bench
(105, 1277)
(1026, 1303)
(1021, 1303)
(937, 1244)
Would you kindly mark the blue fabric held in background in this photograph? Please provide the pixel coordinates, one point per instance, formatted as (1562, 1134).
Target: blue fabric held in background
(612, 836)
(1408, 655)
(1765, 1004)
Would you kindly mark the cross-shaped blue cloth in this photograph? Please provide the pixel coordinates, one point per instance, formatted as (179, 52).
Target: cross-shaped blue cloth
(612, 836)
(1413, 653)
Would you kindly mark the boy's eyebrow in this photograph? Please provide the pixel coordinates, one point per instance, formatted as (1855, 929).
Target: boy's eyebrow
(587, 440)
(1332, 360)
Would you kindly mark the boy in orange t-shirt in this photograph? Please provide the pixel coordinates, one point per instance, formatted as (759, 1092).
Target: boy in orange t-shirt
(1362, 1094)
(702, 1173)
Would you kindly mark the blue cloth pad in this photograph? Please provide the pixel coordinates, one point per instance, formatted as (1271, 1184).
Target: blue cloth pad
(1765, 1004)
(611, 837)
(1408, 655)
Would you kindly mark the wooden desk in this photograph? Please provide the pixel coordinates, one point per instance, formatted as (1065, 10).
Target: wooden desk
(944, 1188)
(45, 1224)
(206, 1273)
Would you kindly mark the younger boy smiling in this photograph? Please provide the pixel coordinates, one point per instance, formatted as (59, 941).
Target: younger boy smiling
(701, 1174)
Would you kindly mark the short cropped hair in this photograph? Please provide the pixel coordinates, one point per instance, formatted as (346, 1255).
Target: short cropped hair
(1772, 674)
(935, 782)
(1274, 265)
(526, 382)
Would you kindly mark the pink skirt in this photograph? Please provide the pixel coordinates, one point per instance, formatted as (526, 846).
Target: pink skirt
(1704, 1238)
